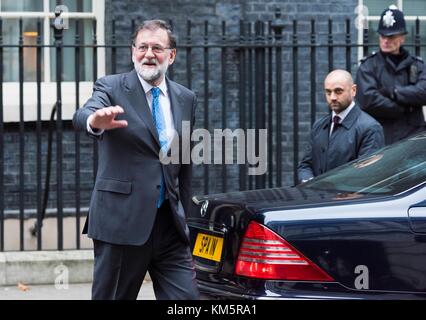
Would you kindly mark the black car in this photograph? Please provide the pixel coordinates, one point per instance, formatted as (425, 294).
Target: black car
(356, 232)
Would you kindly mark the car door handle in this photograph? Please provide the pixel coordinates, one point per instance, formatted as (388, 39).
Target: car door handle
(417, 218)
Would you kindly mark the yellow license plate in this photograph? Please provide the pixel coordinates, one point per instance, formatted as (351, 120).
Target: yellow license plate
(208, 247)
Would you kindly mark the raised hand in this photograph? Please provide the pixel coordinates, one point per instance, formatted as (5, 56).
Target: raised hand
(104, 118)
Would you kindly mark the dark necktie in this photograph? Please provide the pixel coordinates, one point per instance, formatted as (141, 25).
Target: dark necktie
(336, 123)
(157, 116)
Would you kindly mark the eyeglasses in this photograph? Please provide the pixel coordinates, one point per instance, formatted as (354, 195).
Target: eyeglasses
(157, 49)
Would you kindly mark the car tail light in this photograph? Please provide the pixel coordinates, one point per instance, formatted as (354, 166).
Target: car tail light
(265, 255)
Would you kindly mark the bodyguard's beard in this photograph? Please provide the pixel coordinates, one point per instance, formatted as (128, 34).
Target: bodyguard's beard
(148, 72)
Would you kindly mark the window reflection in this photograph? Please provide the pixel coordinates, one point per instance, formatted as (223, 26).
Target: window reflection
(11, 35)
(389, 171)
(11, 54)
(21, 5)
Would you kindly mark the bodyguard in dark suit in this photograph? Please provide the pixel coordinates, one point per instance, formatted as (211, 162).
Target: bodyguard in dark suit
(137, 210)
(342, 136)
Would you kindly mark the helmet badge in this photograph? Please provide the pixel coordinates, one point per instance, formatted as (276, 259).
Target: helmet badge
(388, 19)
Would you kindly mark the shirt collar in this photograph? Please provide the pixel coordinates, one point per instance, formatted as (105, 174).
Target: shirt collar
(147, 87)
(342, 115)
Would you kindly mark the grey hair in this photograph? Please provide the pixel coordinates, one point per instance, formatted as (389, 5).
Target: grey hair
(154, 25)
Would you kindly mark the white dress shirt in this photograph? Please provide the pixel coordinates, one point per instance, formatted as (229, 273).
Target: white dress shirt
(342, 115)
(164, 101)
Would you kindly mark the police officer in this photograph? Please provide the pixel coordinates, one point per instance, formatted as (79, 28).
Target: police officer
(392, 83)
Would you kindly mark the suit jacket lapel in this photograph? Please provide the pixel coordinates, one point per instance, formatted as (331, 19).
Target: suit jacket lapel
(138, 100)
(351, 118)
(176, 104)
(325, 130)
(323, 141)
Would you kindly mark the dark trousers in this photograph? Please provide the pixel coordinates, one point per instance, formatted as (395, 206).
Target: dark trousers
(120, 269)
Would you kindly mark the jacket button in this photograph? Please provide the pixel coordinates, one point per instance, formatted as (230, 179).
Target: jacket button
(323, 149)
(158, 186)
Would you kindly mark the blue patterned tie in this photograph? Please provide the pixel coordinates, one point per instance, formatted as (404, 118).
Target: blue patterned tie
(157, 116)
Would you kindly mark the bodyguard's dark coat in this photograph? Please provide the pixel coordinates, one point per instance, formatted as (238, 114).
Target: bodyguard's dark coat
(393, 95)
(123, 204)
(358, 135)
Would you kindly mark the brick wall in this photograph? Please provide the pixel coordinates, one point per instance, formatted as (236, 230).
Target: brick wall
(12, 160)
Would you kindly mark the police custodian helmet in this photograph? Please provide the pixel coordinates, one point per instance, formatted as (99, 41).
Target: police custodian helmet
(392, 22)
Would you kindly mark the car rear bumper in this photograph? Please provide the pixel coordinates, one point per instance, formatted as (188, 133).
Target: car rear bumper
(208, 292)
(334, 291)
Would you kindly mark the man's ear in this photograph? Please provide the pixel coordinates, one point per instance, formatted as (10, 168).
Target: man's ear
(172, 56)
(133, 54)
(353, 89)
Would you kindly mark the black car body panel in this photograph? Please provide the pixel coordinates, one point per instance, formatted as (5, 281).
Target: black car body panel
(372, 243)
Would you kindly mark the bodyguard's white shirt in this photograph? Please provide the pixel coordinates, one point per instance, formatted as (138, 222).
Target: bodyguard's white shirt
(342, 115)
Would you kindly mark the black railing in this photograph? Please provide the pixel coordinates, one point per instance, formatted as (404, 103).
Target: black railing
(248, 75)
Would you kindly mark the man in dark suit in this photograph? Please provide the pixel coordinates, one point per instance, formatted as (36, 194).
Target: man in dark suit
(137, 210)
(342, 136)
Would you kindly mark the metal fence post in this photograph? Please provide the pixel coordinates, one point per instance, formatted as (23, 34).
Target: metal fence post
(224, 107)
(295, 102)
(330, 46)
(417, 41)
(260, 96)
(39, 142)
(242, 98)
(365, 42)
(1, 143)
(58, 34)
(278, 27)
(313, 56)
(77, 133)
(95, 76)
(21, 139)
(206, 99)
(270, 121)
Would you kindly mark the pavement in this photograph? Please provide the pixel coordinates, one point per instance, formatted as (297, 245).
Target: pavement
(74, 291)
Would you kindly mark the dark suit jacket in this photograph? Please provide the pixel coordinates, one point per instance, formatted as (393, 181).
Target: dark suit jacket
(359, 134)
(123, 204)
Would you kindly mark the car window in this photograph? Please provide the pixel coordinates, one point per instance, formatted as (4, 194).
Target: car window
(389, 171)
